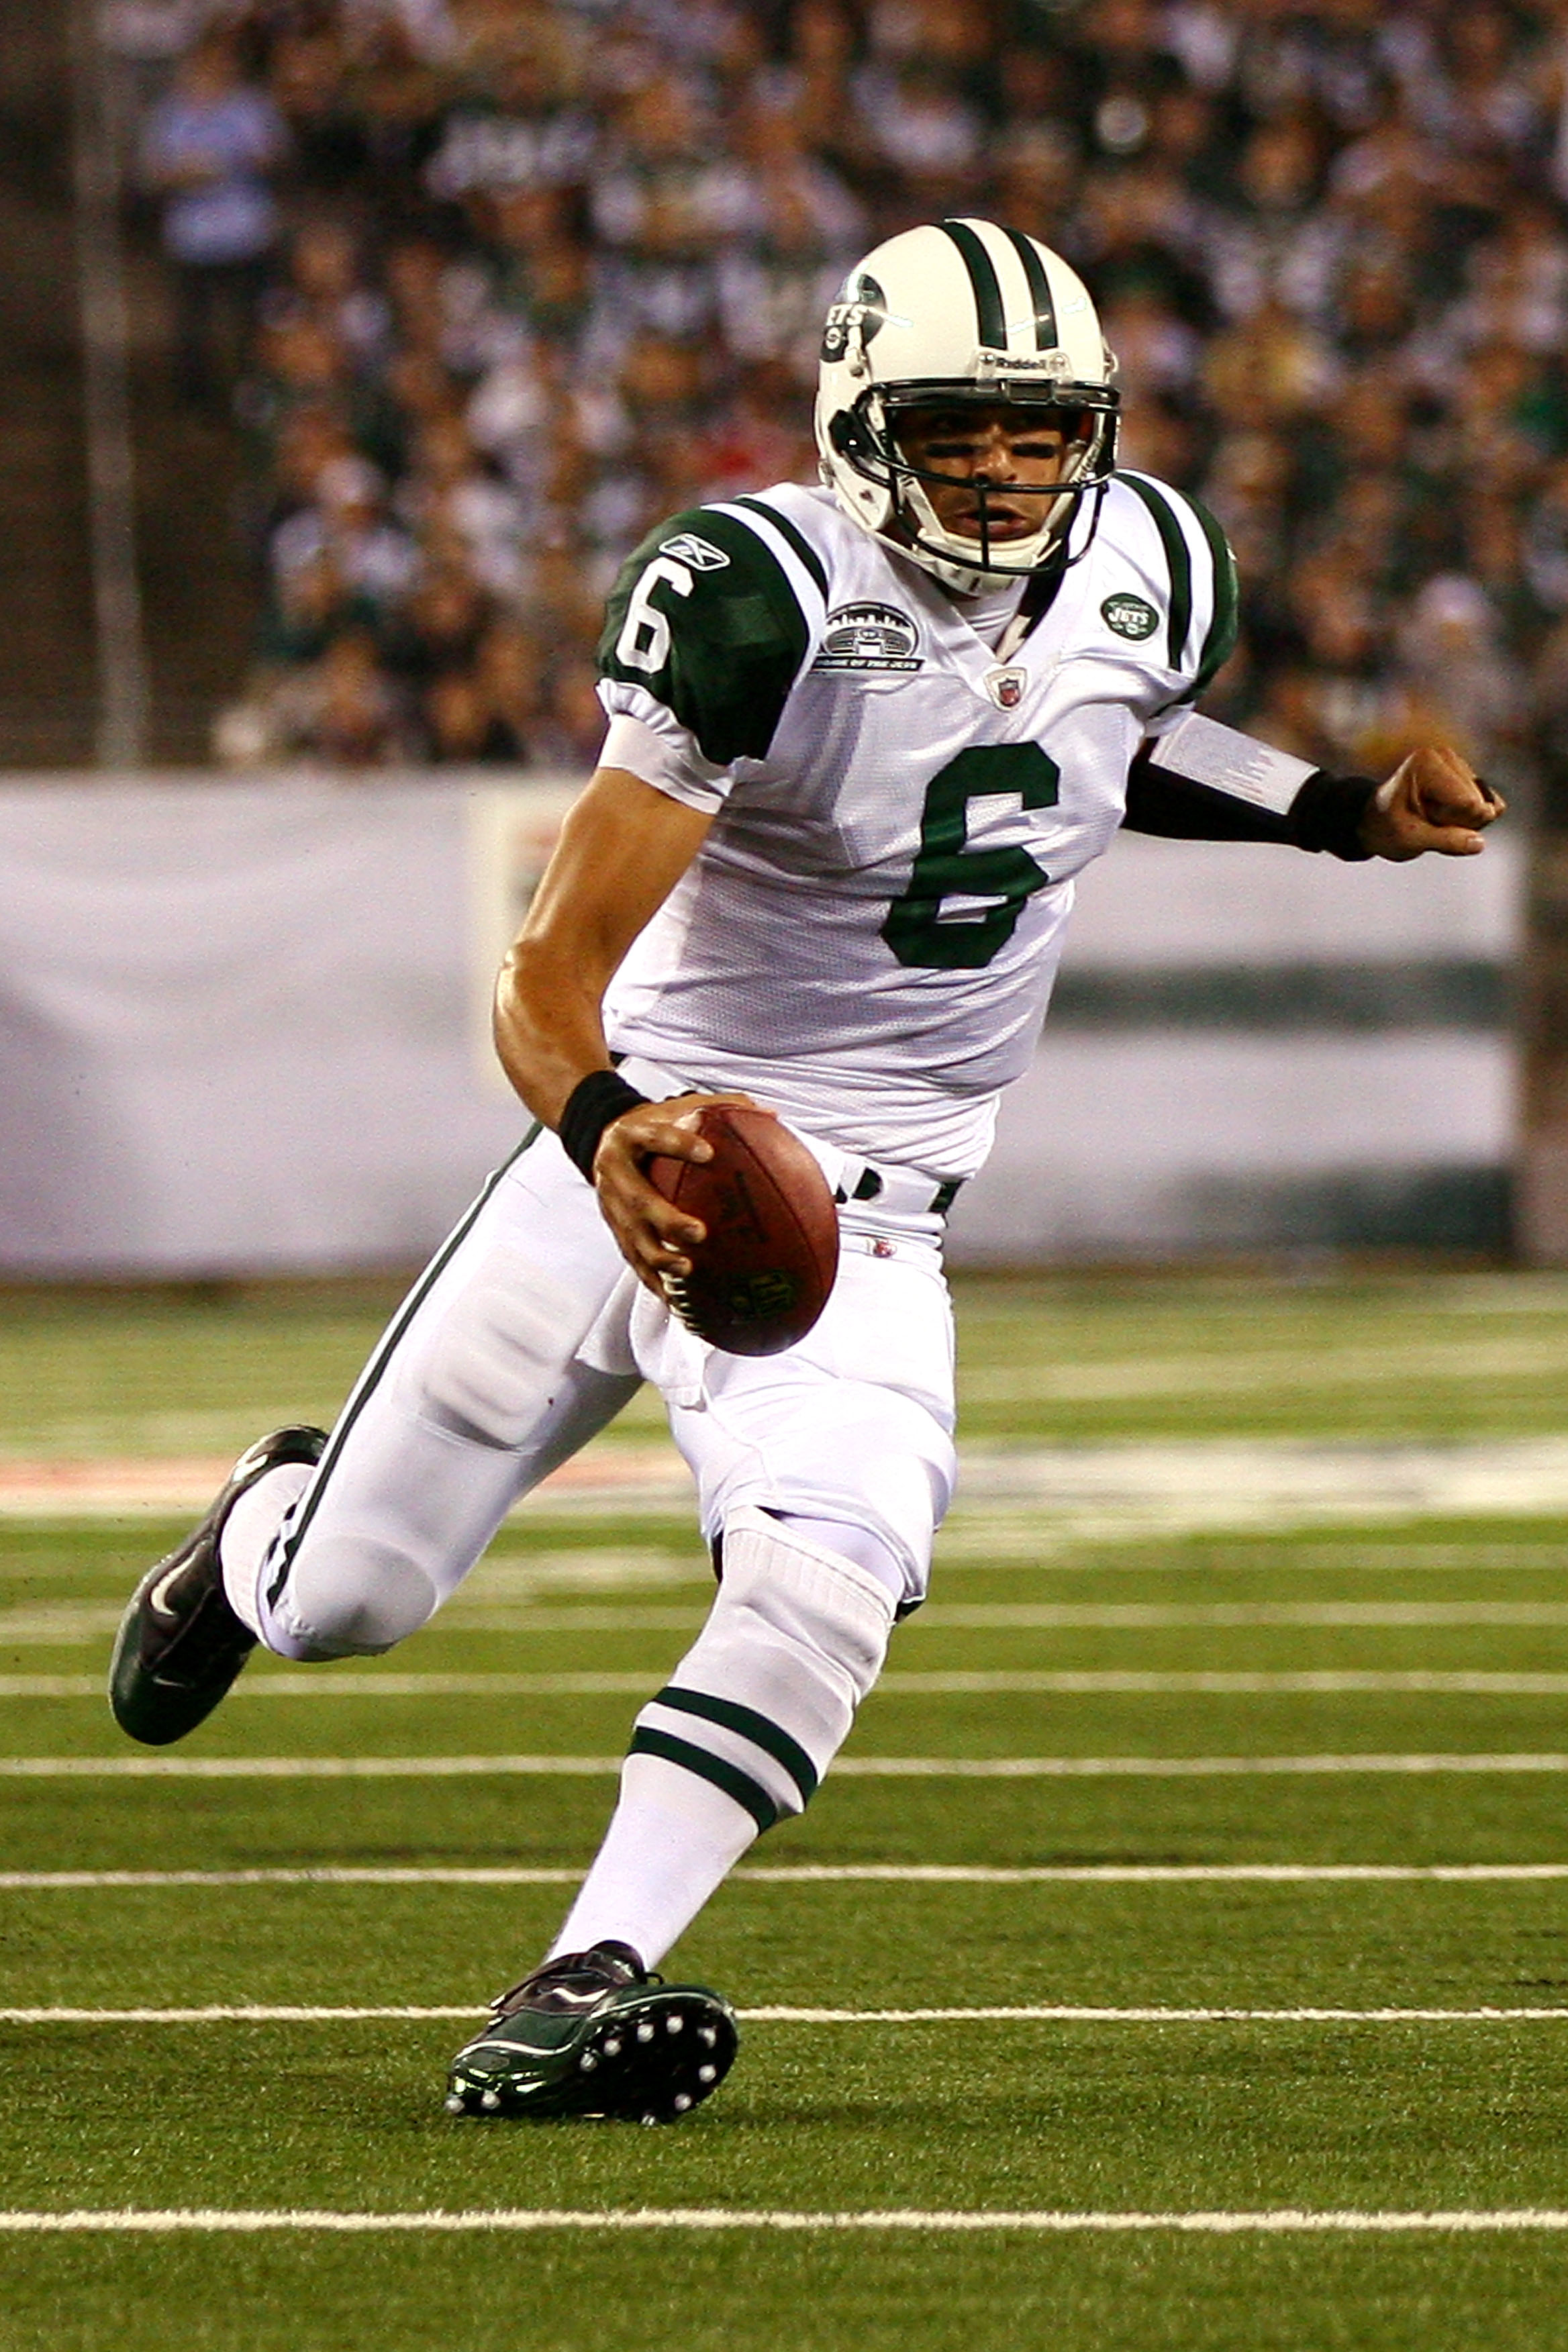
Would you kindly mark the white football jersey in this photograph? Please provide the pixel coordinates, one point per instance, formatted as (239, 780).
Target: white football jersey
(868, 938)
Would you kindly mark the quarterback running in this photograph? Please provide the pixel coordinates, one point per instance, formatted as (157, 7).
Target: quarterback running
(862, 740)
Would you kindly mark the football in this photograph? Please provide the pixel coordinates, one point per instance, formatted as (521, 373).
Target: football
(764, 1274)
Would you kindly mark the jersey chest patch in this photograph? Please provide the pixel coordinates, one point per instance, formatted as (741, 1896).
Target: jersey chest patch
(869, 635)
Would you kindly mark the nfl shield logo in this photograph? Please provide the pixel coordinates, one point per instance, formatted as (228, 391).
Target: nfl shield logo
(1006, 687)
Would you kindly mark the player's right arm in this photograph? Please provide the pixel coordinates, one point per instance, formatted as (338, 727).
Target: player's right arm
(704, 633)
(622, 848)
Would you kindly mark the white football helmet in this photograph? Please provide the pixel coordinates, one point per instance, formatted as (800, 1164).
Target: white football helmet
(964, 314)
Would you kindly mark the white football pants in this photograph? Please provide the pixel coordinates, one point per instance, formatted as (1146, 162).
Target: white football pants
(527, 1334)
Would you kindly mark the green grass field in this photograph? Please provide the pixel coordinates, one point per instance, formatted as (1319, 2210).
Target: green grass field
(1192, 1738)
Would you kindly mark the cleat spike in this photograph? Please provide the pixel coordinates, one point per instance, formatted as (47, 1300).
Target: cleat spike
(619, 2044)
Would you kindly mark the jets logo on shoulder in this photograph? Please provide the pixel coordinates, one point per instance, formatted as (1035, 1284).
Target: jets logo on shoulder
(868, 637)
(1129, 617)
(700, 553)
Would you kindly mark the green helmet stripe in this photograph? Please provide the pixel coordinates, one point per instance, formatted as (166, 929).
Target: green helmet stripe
(1028, 254)
(986, 284)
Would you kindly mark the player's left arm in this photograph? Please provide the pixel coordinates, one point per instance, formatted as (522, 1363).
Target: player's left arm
(1198, 781)
(1195, 780)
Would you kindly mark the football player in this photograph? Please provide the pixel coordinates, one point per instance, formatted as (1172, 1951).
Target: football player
(862, 740)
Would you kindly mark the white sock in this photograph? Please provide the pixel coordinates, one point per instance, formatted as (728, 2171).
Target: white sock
(739, 1736)
(254, 1519)
(671, 1841)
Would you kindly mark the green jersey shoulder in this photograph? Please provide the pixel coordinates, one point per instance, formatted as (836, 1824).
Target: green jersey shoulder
(713, 615)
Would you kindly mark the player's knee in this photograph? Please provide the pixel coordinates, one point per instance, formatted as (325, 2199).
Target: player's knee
(865, 1471)
(806, 1599)
(356, 1599)
(866, 1546)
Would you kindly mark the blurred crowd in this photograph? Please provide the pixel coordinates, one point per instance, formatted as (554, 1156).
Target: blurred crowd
(490, 285)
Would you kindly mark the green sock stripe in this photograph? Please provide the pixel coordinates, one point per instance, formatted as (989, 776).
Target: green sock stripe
(747, 1793)
(760, 1729)
(1174, 542)
(370, 1380)
(797, 540)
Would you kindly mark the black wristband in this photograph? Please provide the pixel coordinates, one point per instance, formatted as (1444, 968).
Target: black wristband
(590, 1107)
(1326, 814)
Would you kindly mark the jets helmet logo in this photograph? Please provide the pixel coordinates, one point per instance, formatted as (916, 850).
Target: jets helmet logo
(862, 309)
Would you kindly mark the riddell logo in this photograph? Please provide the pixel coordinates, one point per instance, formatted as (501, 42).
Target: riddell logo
(868, 637)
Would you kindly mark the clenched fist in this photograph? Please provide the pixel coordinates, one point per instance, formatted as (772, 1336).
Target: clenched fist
(1432, 801)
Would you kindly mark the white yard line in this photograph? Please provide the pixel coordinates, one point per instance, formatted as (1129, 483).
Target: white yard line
(249, 2013)
(862, 1767)
(300, 1768)
(85, 1624)
(891, 1873)
(69, 1624)
(1061, 2014)
(1052, 2014)
(627, 1477)
(1082, 1492)
(1111, 1616)
(1254, 1372)
(1066, 1683)
(1307, 1683)
(980, 1542)
(1282, 2221)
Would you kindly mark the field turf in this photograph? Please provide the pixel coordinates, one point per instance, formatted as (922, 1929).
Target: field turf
(1271, 1769)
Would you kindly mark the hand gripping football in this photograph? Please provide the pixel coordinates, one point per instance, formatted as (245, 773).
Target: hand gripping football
(762, 1276)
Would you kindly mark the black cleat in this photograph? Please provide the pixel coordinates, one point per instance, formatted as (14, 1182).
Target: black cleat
(180, 1645)
(594, 2035)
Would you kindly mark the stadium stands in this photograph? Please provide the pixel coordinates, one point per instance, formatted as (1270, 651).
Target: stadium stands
(542, 273)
